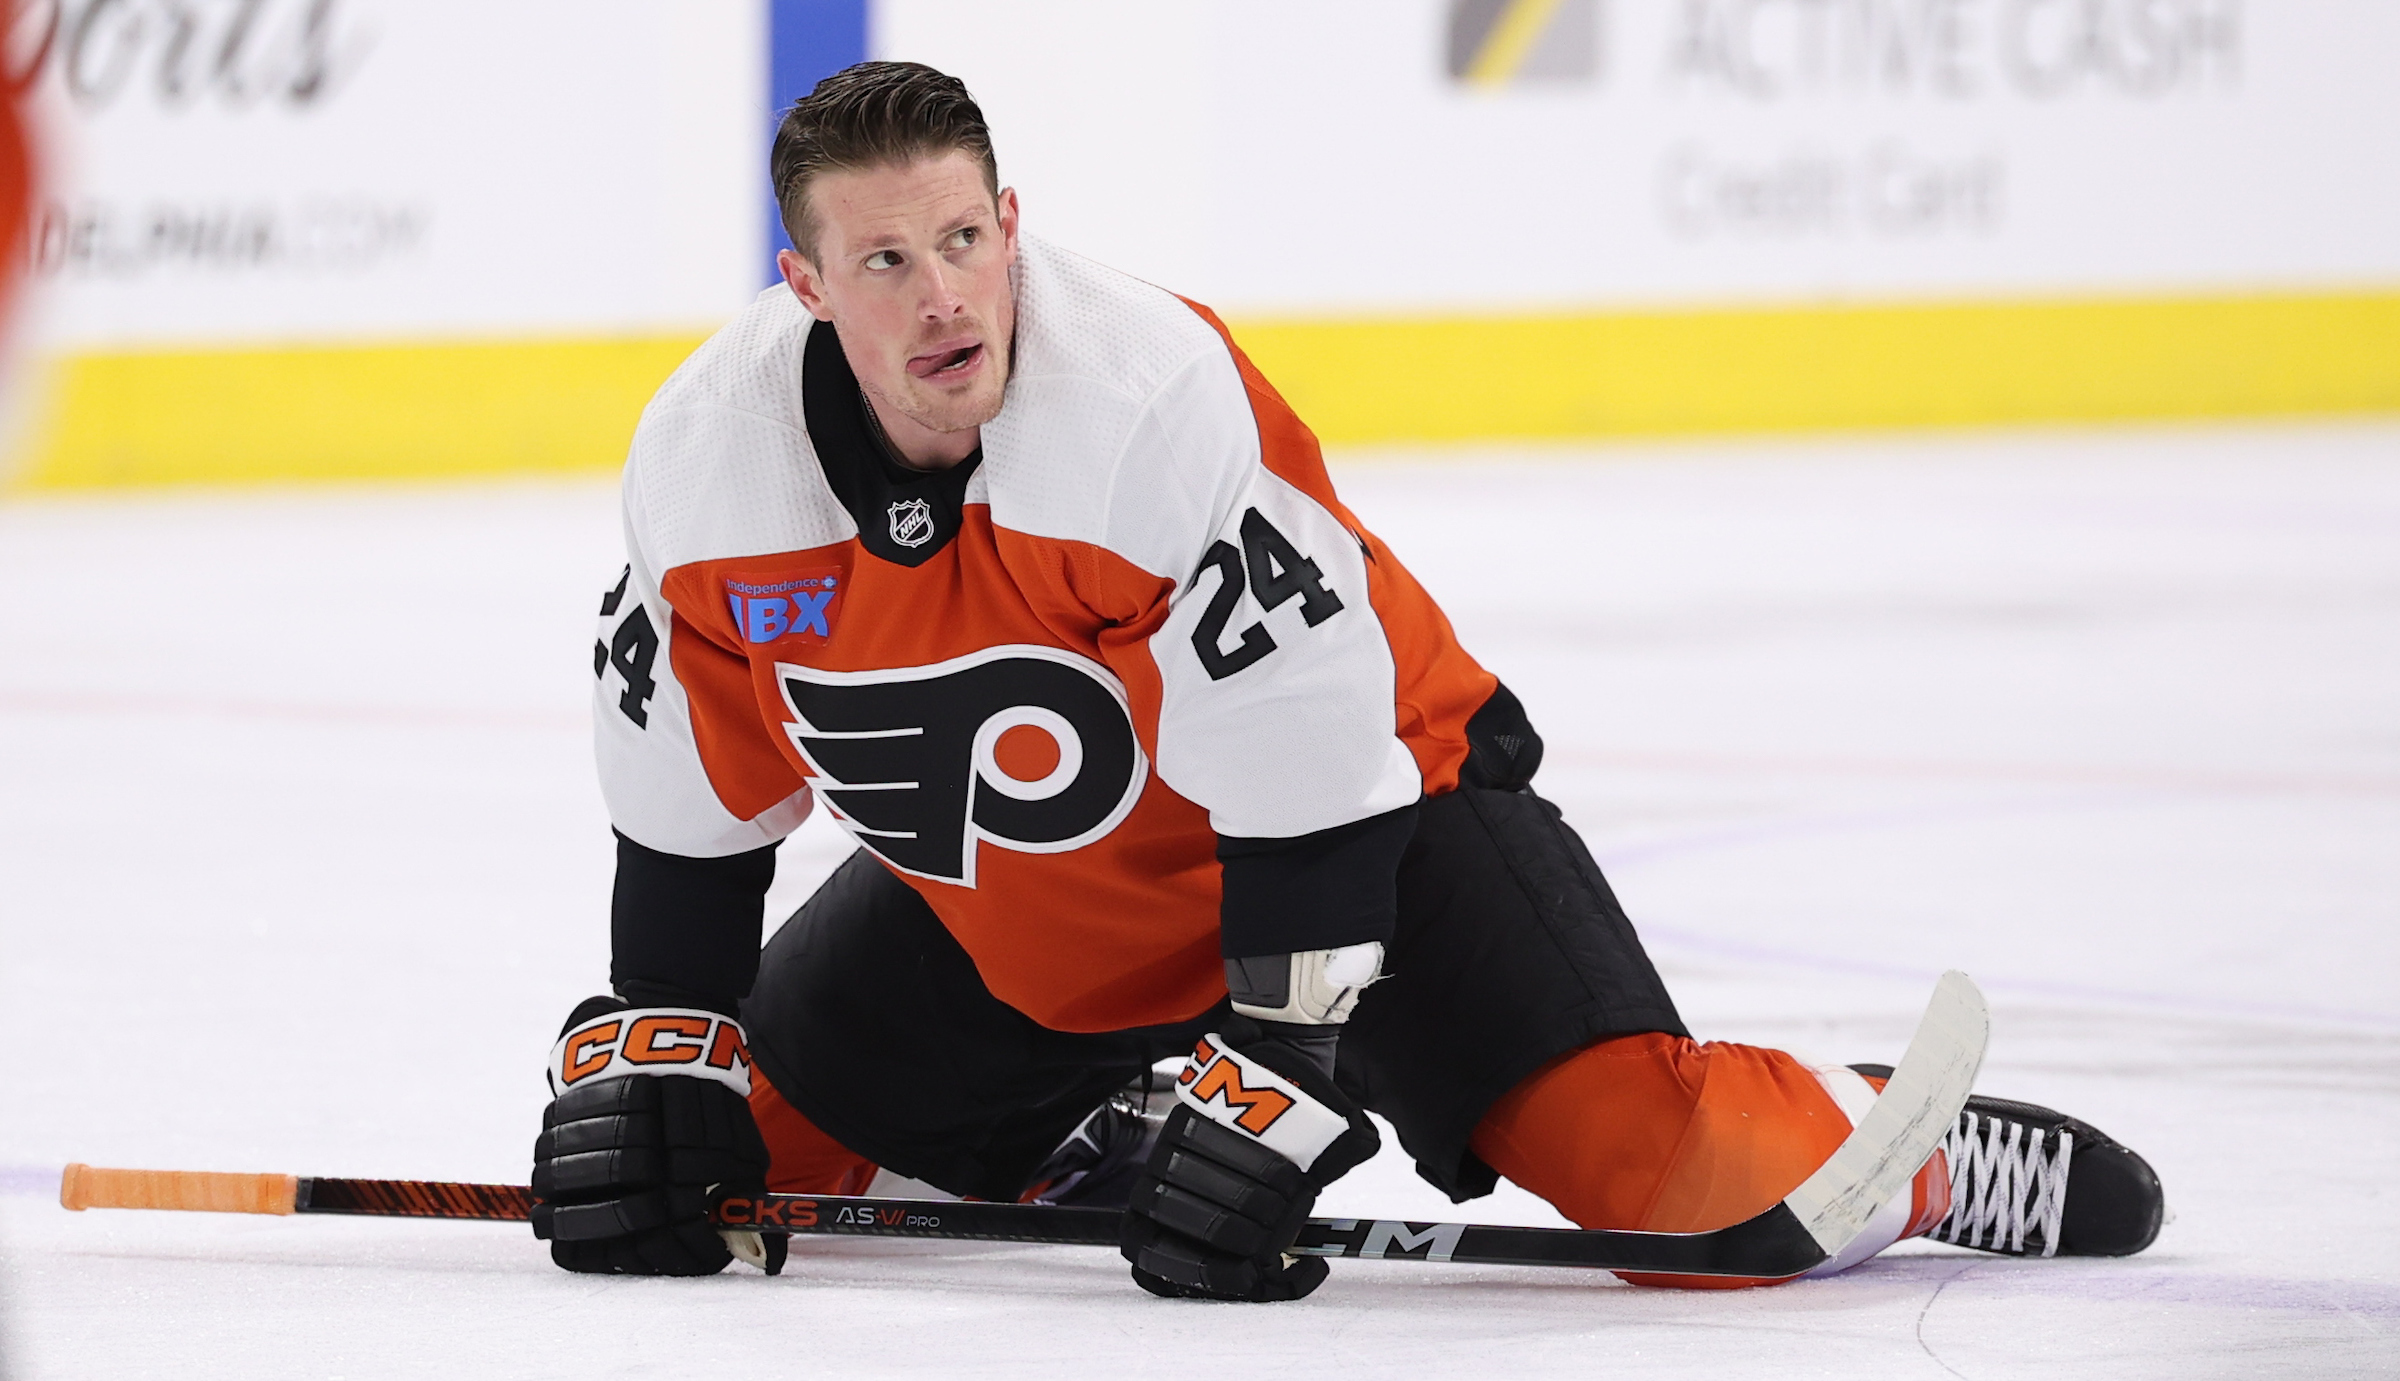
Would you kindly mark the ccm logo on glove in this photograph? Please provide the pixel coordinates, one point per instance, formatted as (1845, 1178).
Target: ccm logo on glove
(652, 1040)
(1244, 1096)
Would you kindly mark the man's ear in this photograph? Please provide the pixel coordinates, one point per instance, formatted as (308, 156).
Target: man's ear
(1007, 208)
(801, 277)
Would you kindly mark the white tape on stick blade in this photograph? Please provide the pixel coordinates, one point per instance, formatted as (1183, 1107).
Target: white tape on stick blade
(1898, 1135)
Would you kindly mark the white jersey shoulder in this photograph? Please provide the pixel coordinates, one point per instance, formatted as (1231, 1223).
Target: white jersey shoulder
(721, 465)
(1126, 424)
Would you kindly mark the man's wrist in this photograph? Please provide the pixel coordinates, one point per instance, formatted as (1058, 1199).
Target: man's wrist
(1315, 987)
(1316, 1044)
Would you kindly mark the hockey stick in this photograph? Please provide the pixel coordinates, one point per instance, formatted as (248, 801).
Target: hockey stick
(1812, 1225)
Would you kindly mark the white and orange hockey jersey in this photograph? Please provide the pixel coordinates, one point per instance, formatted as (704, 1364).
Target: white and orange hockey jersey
(1043, 686)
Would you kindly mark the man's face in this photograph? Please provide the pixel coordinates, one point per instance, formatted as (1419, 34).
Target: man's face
(912, 270)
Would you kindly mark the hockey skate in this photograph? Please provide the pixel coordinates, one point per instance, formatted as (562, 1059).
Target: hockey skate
(2026, 1180)
(1096, 1165)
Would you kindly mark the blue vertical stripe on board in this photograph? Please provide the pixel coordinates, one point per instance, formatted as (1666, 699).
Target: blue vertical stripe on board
(806, 40)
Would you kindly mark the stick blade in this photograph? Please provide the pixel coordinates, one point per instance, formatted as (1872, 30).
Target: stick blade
(1898, 1135)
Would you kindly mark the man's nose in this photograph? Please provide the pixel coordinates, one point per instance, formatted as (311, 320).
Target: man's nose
(942, 297)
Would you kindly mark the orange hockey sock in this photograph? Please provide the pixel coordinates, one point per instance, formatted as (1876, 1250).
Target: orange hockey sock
(802, 1159)
(1660, 1133)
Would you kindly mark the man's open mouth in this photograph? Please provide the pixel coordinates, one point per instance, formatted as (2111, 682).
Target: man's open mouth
(945, 363)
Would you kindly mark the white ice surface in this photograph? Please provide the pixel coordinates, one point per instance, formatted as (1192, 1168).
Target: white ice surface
(301, 863)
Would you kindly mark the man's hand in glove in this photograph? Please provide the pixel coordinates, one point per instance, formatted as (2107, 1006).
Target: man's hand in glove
(1259, 1130)
(649, 1127)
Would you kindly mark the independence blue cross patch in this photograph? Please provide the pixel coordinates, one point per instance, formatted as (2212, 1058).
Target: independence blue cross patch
(802, 607)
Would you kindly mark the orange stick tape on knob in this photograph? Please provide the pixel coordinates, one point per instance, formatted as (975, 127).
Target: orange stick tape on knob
(200, 1191)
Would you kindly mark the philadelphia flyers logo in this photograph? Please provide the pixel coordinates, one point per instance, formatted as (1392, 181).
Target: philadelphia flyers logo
(1030, 748)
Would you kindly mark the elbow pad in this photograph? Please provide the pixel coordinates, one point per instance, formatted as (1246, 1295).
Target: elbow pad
(1313, 987)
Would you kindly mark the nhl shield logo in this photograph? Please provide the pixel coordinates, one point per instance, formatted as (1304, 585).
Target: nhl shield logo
(912, 522)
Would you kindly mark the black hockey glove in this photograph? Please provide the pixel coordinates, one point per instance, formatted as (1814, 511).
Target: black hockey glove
(650, 1126)
(1259, 1129)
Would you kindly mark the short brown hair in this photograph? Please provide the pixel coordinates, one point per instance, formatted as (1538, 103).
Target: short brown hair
(872, 115)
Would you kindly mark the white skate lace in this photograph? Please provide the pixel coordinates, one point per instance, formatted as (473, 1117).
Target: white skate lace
(2008, 1182)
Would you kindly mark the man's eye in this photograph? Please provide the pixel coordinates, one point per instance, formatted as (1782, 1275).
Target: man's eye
(963, 237)
(883, 259)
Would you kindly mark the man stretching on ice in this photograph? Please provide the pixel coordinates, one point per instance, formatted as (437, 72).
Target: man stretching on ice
(1019, 569)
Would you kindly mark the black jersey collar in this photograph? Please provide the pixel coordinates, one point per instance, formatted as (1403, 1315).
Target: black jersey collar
(904, 515)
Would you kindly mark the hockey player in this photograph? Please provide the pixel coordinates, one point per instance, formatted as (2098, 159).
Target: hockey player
(1017, 568)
